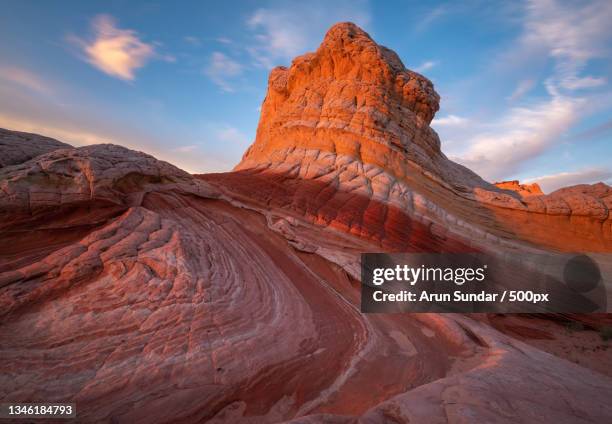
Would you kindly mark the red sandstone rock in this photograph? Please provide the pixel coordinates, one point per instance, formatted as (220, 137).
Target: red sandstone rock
(163, 302)
(522, 189)
(350, 121)
(144, 294)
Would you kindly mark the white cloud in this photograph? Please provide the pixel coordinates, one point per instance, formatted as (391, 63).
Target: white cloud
(571, 35)
(25, 78)
(221, 69)
(114, 51)
(522, 88)
(293, 28)
(450, 120)
(522, 134)
(571, 31)
(575, 83)
(425, 66)
(552, 182)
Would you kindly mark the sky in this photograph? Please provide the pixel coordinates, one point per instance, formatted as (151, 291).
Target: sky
(525, 86)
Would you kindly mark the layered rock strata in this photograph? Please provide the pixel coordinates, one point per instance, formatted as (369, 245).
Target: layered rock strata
(145, 294)
(352, 117)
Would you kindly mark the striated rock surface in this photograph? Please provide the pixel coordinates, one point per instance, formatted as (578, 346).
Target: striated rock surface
(18, 147)
(106, 174)
(151, 297)
(145, 294)
(355, 100)
(350, 122)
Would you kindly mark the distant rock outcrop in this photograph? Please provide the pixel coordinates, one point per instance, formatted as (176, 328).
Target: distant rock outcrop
(522, 189)
(18, 147)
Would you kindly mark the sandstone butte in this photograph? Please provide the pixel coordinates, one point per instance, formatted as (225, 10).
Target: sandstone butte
(146, 294)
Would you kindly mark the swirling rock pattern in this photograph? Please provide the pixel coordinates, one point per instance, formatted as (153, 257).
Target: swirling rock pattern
(177, 305)
(145, 294)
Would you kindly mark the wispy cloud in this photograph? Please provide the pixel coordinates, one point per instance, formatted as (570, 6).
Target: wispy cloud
(25, 78)
(571, 35)
(115, 51)
(221, 69)
(69, 130)
(576, 83)
(431, 16)
(425, 66)
(524, 133)
(449, 121)
(523, 87)
(223, 40)
(552, 182)
(593, 132)
(293, 28)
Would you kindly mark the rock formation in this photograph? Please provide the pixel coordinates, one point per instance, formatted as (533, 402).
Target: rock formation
(18, 147)
(145, 294)
(346, 131)
(522, 189)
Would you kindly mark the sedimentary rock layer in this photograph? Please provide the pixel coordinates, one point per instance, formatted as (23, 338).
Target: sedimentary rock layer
(145, 294)
(164, 298)
(179, 305)
(352, 117)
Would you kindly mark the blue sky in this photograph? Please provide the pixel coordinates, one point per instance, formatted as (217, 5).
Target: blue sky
(525, 86)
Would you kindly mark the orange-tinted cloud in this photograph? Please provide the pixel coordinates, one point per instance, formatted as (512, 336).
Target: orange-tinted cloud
(115, 51)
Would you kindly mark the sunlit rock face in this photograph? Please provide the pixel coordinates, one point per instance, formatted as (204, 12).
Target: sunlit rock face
(145, 294)
(350, 125)
(351, 97)
(522, 189)
(350, 103)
